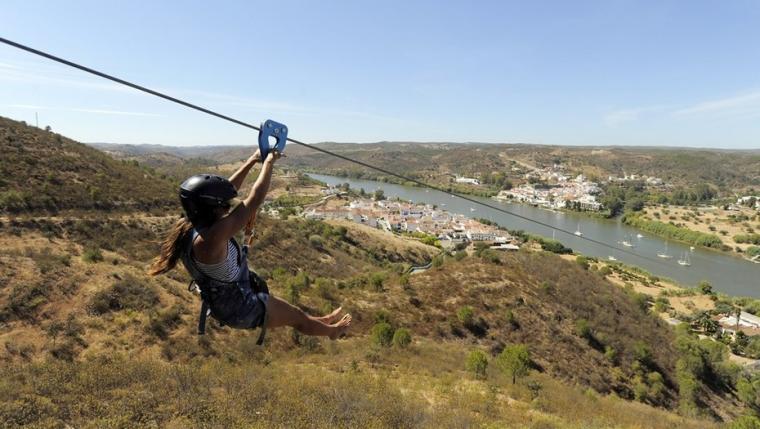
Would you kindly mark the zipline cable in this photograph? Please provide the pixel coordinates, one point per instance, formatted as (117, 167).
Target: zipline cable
(318, 149)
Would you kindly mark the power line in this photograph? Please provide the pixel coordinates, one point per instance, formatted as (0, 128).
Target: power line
(318, 149)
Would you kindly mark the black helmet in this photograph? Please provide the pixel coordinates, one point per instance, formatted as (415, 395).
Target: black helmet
(201, 194)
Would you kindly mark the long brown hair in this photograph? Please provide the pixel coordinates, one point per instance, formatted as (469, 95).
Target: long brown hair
(171, 248)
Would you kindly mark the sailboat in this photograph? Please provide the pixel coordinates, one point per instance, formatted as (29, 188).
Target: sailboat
(627, 242)
(684, 260)
(664, 253)
(578, 230)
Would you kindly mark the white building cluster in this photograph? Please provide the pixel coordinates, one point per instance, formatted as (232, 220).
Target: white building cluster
(398, 216)
(745, 201)
(577, 193)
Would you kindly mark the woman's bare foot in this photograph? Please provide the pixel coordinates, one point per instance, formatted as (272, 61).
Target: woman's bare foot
(340, 328)
(330, 318)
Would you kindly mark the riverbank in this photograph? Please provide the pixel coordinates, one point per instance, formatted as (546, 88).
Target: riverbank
(731, 231)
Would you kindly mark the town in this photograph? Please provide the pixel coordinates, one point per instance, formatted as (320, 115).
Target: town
(404, 217)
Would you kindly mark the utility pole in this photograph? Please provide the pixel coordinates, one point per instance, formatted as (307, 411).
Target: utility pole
(36, 120)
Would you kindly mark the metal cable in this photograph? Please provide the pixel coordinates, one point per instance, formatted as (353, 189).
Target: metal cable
(318, 149)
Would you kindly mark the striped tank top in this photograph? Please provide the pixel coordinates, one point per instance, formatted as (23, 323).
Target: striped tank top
(227, 270)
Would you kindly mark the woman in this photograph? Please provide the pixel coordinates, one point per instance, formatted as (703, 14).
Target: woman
(203, 240)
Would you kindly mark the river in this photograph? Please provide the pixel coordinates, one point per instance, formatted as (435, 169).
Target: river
(728, 274)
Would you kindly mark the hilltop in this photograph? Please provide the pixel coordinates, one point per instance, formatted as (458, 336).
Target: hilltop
(44, 171)
(725, 170)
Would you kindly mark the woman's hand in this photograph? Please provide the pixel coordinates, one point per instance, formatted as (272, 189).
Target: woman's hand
(273, 156)
(256, 157)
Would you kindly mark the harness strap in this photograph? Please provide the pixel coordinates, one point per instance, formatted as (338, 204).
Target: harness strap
(202, 318)
(263, 332)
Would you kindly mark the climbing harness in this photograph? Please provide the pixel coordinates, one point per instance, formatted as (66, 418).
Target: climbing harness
(241, 303)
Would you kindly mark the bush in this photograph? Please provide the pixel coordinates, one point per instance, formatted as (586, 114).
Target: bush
(705, 287)
(92, 254)
(674, 232)
(477, 363)
(582, 261)
(129, 293)
(747, 238)
(376, 280)
(555, 247)
(745, 422)
(402, 338)
(382, 334)
(315, 241)
(466, 315)
(514, 360)
(582, 329)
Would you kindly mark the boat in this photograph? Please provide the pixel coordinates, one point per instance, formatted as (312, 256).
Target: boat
(691, 248)
(472, 209)
(639, 236)
(578, 231)
(612, 258)
(664, 253)
(684, 261)
(627, 242)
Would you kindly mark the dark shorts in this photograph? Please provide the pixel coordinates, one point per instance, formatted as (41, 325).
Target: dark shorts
(241, 309)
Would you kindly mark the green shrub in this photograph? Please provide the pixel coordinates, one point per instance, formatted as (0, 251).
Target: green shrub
(376, 281)
(610, 353)
(555, 247)
(466, 315)
(402, 338)
(24, 301)
(382, 334)
(129, 293)
(477, 363)
(92, 254)
(315, 241)
(583, 329)
(745, 422)
(582, 261)
(674, 232)
(747, 238)
(514, 361)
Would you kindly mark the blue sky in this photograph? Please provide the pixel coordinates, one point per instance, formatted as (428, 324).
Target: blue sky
(675, 73)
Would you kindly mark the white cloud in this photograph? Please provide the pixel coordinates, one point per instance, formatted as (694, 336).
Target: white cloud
(621, 116)
(740, 104)
(82, 110)
(12, 73)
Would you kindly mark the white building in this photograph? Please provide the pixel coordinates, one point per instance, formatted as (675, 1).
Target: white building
(746, 320)
(467, 180)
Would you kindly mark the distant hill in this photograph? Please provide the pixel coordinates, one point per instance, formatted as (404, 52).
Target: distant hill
(726, 170)
(42, 170)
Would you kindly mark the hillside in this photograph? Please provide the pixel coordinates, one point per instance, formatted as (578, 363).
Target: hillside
(87, 339)
(85, 307)
(725, 170)
(44, 171)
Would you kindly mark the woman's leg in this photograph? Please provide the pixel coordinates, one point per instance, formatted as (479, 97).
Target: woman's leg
(283, 314)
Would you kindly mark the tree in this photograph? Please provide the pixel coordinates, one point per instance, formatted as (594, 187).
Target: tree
(514, 360)
(382, 334)
(705, 287)
(54, 329)
(379, 195)
(477, 363)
